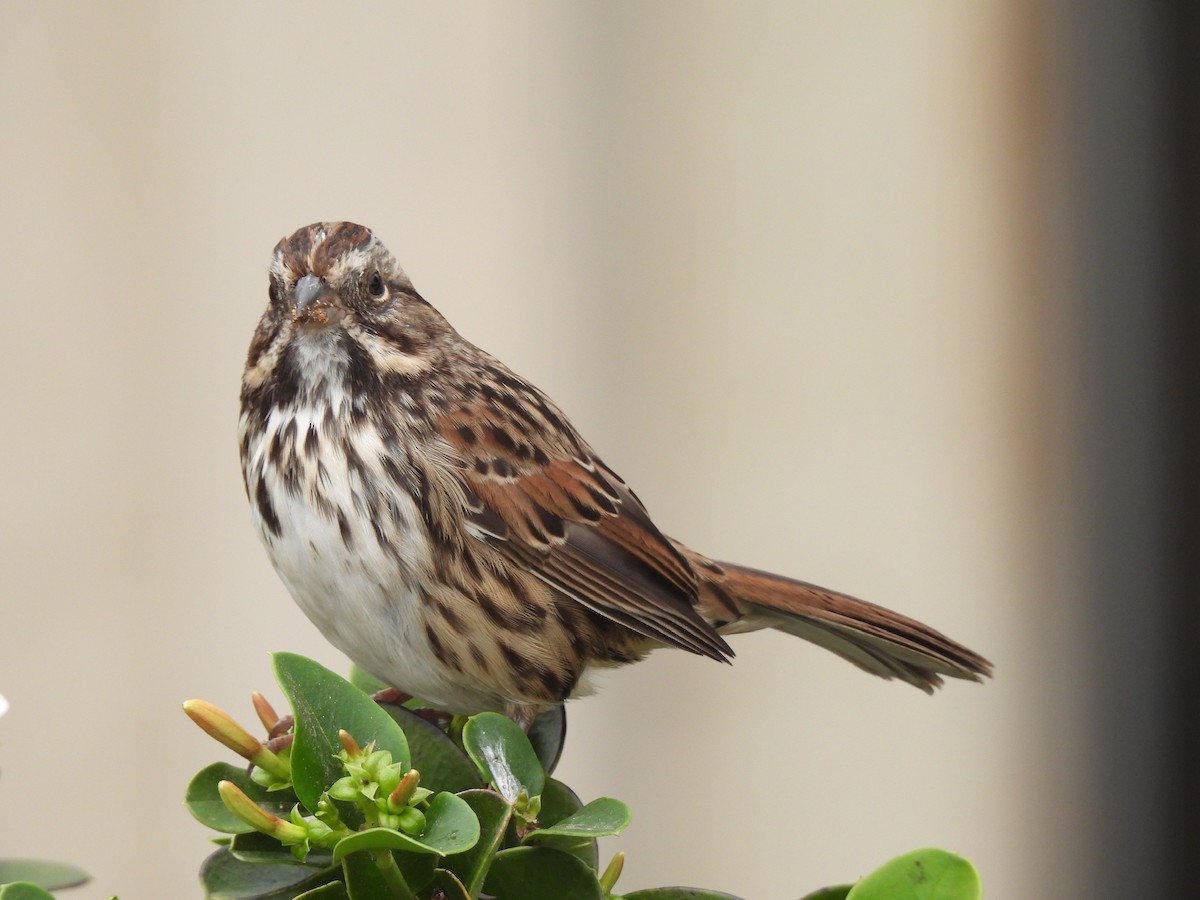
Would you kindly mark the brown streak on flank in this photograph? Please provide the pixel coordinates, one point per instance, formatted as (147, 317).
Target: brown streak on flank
(553, 684)
(453, 619)
(275, 450)
(265, 509)
(440, 650)
(344, 529)
(516, 662)
(494, 611)
(477, 655)
(391, 468)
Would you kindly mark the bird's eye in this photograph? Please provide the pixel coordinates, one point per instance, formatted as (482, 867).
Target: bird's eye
(375, 286)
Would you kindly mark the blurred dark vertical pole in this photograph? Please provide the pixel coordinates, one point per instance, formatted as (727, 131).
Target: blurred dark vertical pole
(1182, 346)
(1133, 157)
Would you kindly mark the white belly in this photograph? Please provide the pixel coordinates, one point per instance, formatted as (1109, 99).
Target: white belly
(360, 588)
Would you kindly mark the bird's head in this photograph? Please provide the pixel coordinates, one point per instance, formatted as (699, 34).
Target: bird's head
(339, 303)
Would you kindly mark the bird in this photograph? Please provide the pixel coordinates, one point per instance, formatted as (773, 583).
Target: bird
(443, 524)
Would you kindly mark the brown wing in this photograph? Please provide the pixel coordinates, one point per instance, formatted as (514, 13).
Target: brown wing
(541, 497)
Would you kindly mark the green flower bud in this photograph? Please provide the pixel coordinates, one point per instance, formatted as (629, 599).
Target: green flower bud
(265, 712)
(612, 872)
(346, 788)
(349, 744)
(221, 726)
(402, 794)
(235, 800)
(412, 821)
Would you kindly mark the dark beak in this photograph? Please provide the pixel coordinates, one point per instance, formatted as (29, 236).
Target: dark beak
(308, 292)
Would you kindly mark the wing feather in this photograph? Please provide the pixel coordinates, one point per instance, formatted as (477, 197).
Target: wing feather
(545, 501)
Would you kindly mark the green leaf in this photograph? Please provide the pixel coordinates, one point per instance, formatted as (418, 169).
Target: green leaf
(262, 849)
(204, 803)
(24, 890)
(837, 892)
(379, 839)
(225, 877)
(335, 890)
(322, 703)
(547, 734)
(452, 828)
(49, 875)
(600, 818)
(442, 763)
(417, 868)
(503, 754)
(541, 873)
(558, 803)
(493, 813)
(929, 874)
(365, 681)
(451, 824)
(364, 881)
(680, 893)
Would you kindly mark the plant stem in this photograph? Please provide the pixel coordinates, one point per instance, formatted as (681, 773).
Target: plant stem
(386, 863)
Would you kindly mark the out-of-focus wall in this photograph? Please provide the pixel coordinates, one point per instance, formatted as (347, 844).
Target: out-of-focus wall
(781, 264)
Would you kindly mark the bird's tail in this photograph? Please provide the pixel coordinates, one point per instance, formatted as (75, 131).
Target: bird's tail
(882, 642)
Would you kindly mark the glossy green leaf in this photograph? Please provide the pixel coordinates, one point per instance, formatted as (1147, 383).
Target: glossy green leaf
(451, 828)
(541, 873)
(503, 754)
(225, 877)
(680, 893)
(442, 763)
(49, 875)
(204, 803)
(837, 892)
(322, 704)
(380, 839)
(600, 818)
(547, 734)
(451, 824)
(24, 890)
(929, 874)
(493, 813)
(559, 802)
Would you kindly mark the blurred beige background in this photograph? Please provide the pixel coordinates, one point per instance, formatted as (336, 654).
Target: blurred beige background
(785, 264)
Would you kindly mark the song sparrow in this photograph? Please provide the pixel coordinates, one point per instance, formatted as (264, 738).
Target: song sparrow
(443, 524)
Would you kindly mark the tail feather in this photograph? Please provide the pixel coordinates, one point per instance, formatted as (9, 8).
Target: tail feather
(875, 639)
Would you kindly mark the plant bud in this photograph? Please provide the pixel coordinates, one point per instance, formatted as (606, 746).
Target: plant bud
(258, 818)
